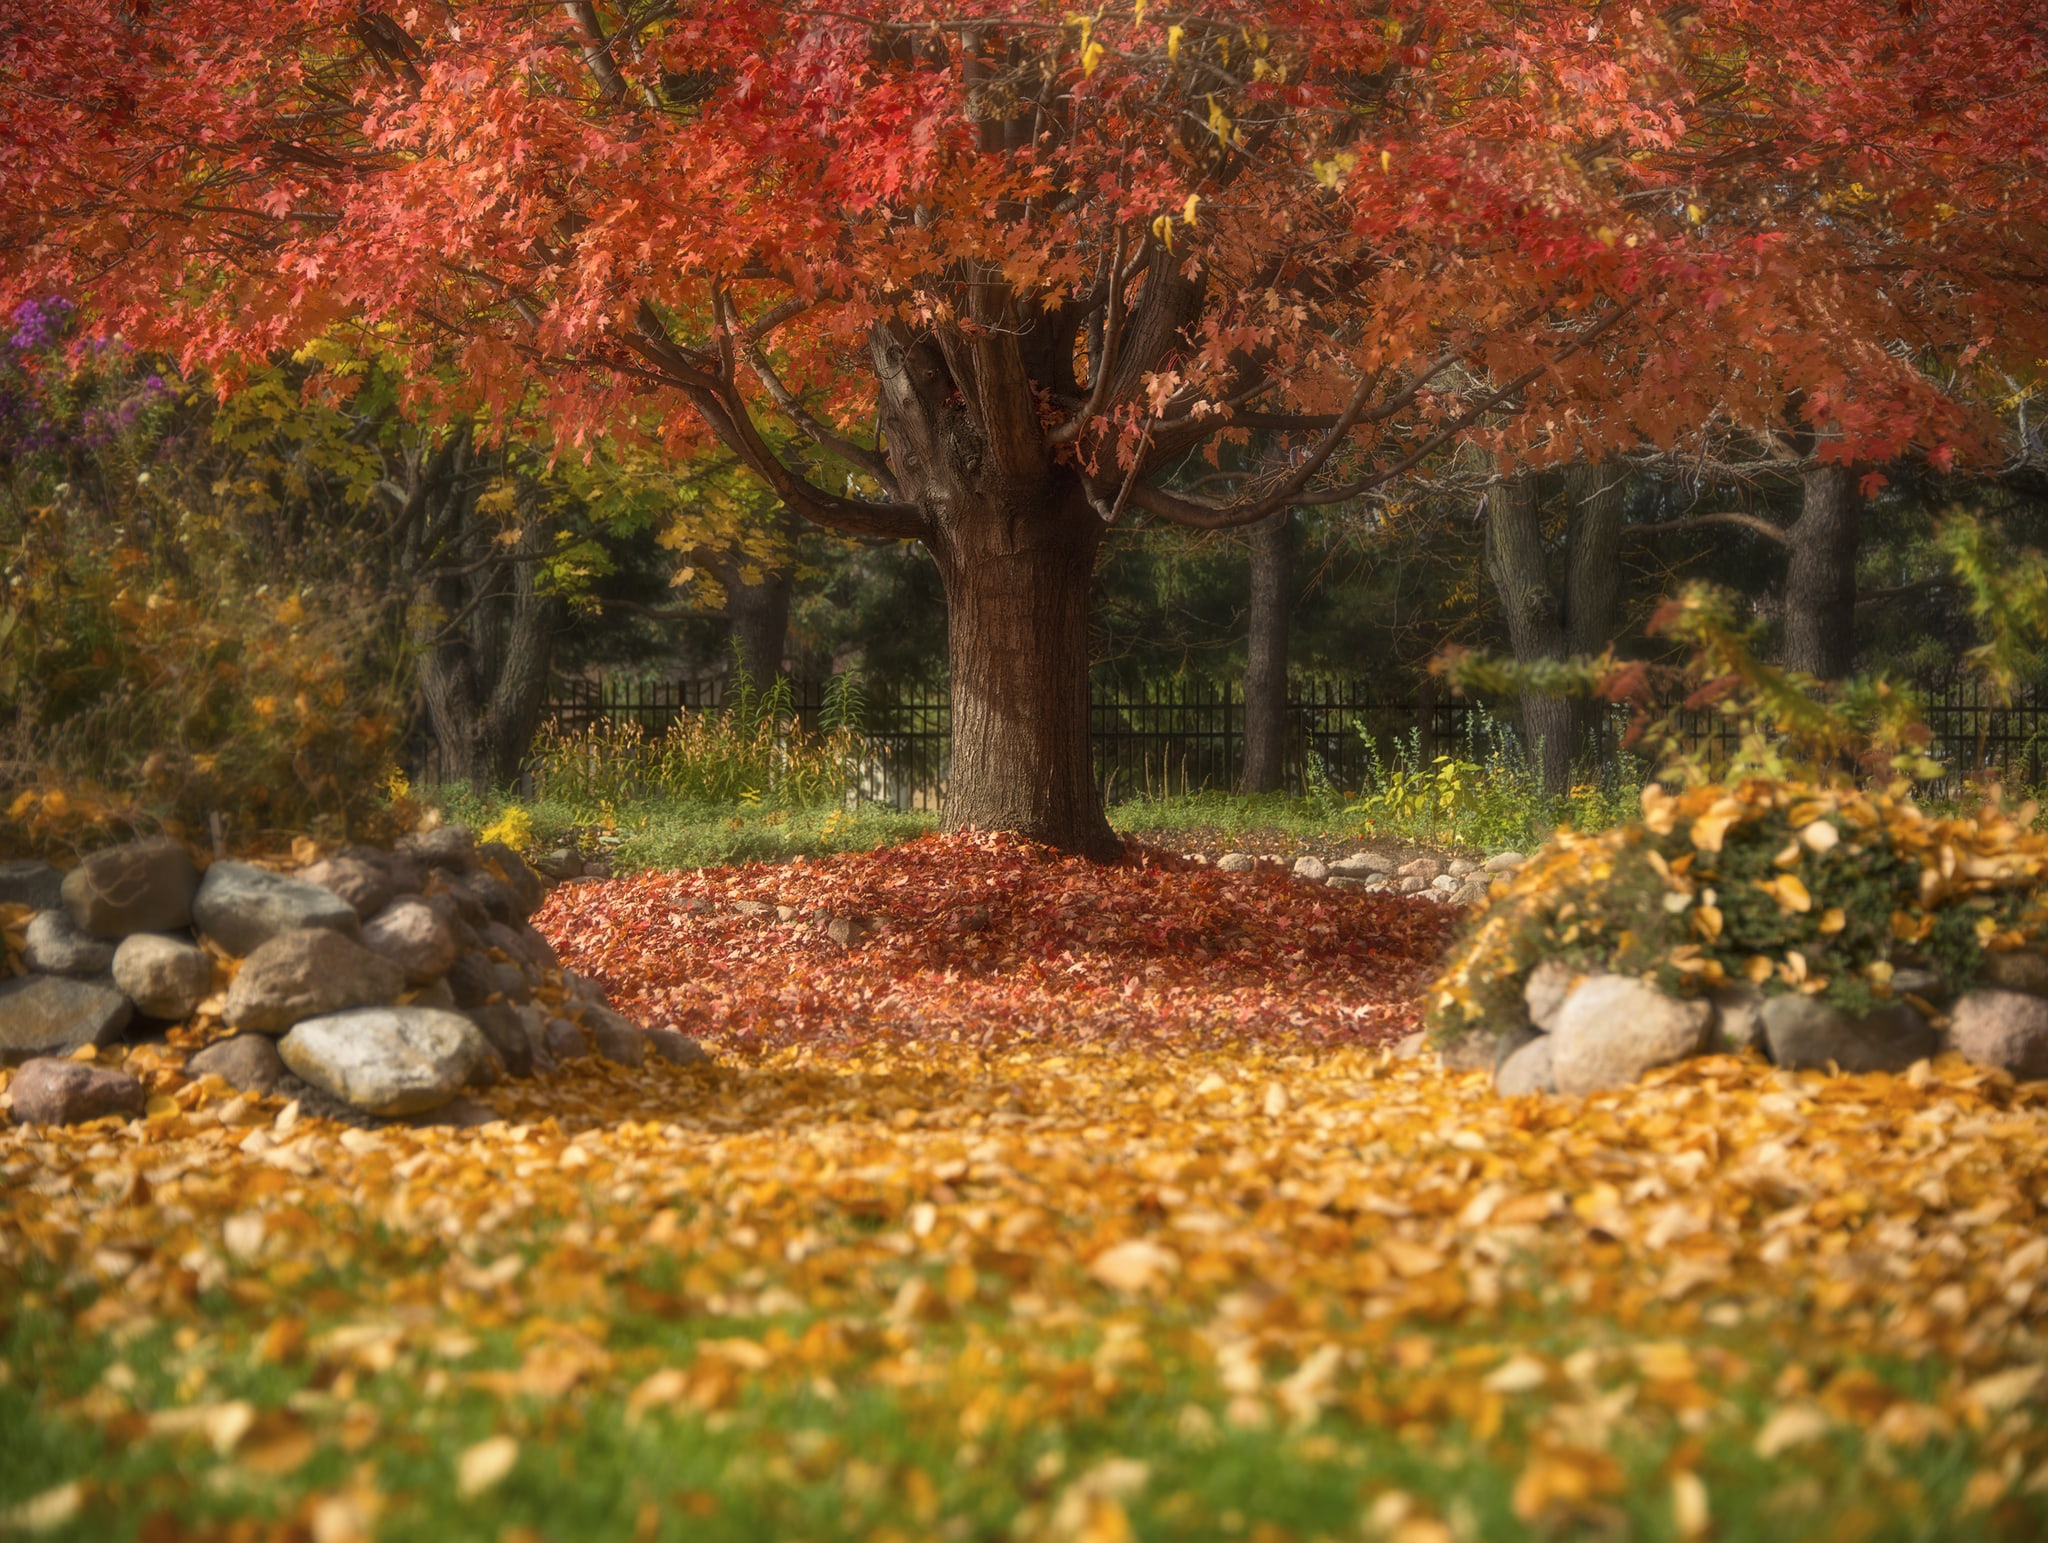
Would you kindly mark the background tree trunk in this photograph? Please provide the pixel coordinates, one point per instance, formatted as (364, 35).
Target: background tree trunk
(487, 644)
(1820, 580)
(1592, 581)
(1265, 671)
(759, 614)
(1535, 618)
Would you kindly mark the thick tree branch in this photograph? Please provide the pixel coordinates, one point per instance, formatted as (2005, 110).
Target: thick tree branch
(1756, 524)
(834, 444)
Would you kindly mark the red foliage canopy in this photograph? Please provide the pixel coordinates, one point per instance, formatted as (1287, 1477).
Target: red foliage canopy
(1355, 207)
(1053, 257)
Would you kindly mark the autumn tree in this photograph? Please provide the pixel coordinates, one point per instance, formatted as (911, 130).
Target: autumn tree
(1020, 273)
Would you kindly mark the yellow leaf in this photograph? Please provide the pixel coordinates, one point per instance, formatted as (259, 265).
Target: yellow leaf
(1788, 891)
(1173, 37)
(1832, 921)
(1689, 1511)
(1135, 1266)
(1187, 212)
(45, 1512)
(486, 1465)
(1709, 830)
(1792, 1426)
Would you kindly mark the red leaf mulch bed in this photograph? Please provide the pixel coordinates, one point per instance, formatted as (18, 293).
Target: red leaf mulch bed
(990, 940)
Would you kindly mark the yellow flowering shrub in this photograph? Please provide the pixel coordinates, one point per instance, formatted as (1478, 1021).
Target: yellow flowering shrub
(1789, 886)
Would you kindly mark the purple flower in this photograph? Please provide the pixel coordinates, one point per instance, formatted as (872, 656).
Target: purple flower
(39, 323)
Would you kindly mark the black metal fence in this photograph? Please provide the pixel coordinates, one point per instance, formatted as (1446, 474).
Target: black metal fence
(1179, 736)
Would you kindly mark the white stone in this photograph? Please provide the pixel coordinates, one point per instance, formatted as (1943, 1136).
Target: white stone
(164, 977)
(1613, 1028)
(388, 1060)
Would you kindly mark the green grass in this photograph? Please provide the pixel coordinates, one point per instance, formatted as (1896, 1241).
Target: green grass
(662, 833)
(975, 1427)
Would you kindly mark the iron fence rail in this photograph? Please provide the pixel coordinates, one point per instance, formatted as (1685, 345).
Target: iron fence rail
(1174, 737)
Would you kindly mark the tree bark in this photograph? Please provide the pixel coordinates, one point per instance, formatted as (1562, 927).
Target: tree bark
(1592, 582)
(1017, 598)
(487, 649)
(525, 635)
(759, 614)
(1014, 536)
(1820, 580)
(1265, 671)
(1535, 618)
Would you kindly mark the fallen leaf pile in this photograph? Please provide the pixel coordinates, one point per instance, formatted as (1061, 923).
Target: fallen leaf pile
(983, 940)
(1038, 1270)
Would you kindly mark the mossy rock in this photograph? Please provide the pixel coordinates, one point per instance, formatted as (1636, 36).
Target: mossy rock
(1788, 886)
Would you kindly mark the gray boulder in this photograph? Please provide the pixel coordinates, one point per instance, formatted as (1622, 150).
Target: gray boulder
(2005, 1029)
(1613, 1028)
(143, 886)
(248, 1063)
(528, 888)
(2024, 970)
(435, 993)
(454, 901)
(1738, 1018)
(506, 1032)
(563, 1041)
(412, 935)
(403, 874)
(538, 951)
(1413, 884)
(54, 1092)
(53, 1015)
(308, 972)
(1527, 1070)
(387, 1060)
(473, 978)
(1236, 862)
(1503, 862)
(1314, 869)
(1472, 891)
(1363, 865)
(617, 1037)
(1339, 881)
(164, 977)
(676, 1046)
(1425, 868)
(1444, 883)
(560, 864)
(1543, 993)
(366, 886)
(1807, 1034)
(36, 885)
(446, 846)
(57, 945)
(242, 907)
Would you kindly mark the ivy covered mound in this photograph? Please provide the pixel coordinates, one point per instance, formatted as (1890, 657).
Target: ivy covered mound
(1820, 926)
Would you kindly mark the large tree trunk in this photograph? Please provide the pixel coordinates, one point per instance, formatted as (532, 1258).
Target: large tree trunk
(1265, 671)
(1017, 591)
(1535, 618)
(1014, 537)
(1820, 581)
